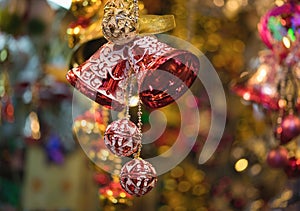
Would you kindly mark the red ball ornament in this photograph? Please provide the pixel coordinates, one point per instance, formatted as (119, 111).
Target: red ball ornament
(278, 158)
(289, 128)
(293, 168)
(138, 177)
(122, 137)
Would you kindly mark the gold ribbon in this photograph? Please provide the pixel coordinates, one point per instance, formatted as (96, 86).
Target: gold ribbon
(156, 24)
(148, 24)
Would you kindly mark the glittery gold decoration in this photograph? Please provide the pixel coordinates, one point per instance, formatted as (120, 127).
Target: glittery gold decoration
(154, 24)
(119, 24)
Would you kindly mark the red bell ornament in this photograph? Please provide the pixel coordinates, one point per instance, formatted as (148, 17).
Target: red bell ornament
(289, 128)
(138, 177)
(122, 137)
(261, 86)
(103, 77)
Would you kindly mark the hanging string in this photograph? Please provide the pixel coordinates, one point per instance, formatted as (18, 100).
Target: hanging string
(139, 124)
(136, 10)
(129, 95)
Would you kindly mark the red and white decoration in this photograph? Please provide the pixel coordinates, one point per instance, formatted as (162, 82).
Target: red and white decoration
(122, 137)
(138, 177)
(103, 77)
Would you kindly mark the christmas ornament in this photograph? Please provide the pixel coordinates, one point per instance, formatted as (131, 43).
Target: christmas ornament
(122, 137)
(275, 85)
(7, 111)
(120, 21)
(101, 178)
(289, 128)
(278, 157)
(138, 177)
(279, 28)
(131, 65)
(261, 86)
(102, 78)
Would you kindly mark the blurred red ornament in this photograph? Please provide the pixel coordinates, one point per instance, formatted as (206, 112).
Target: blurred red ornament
(261, 86)
(293, 168)
(138, 177)
(103, 77)
(278, 158)
(122, 137)
(8, 111)
(101, 178)
(279, 28)
(289, 128)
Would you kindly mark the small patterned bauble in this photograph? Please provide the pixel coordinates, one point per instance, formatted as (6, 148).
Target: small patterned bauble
(289, 128)
(293, 168)
(122, 137)
(278, 158)
(119, 23)
(138, 177)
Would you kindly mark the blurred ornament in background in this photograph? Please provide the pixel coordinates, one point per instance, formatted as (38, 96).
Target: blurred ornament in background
(101, 178)
(261, 86)
(279, 29)
(288, 129)
(7, 110)
(278, 157)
